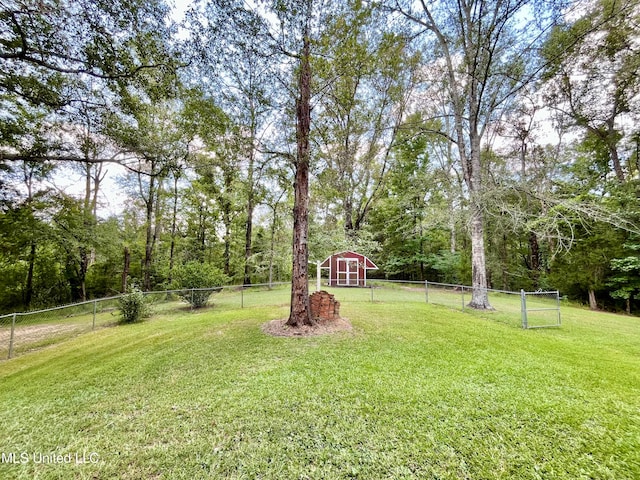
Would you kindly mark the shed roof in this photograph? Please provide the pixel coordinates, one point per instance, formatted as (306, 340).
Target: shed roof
(368, 264)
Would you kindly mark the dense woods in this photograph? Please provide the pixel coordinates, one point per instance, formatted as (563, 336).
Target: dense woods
(493, 143)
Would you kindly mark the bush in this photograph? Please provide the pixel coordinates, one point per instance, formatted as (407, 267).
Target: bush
(196, 275)
(133, 306)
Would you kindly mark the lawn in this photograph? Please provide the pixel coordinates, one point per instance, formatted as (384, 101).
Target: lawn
(416, 391)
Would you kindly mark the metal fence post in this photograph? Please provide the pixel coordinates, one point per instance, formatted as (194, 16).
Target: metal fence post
(371, 288)
(426, 291)
(13, 328)
(242, 296)
(462, 289)
(523, 303)
(95, 308)
(558, 304)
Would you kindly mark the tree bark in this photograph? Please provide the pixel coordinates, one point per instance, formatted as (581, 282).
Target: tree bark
(226, 219)
(29, 286)
(534, 248)
(628, 306)
(300, 311)
(248, 241)
(148, 249)
(615, 160)
(125, 269)
(85, 260)
(248, 236)
(593, 304)
(174, 221)
(271, 252)
(479, 295)
(473, 179)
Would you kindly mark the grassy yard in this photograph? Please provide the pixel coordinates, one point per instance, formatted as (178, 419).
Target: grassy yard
(416, 391)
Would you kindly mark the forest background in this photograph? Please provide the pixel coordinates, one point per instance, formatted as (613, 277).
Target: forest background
(439, 130)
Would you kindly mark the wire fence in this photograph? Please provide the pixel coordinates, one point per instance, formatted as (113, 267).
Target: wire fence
(538, 309)
(521, 309)
(25, 331)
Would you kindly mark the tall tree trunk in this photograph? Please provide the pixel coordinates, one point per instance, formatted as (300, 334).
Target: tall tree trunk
(28, 180)
(226, 220)
(148, 249)
(611, 139)
(125, 269)
(593, 304)
(473, 177)
(300, 311)
(479, 296)
(28, 291)
(82, 272)
(348, 214)
(615, 160)
(174, 221)
(504, 253)
(534, 249)
(272, 243)
(628, 306)
(452, 230)
(273, 236)
(90, 205)
(248, 238)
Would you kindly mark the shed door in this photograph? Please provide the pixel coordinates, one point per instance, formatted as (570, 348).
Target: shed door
(348, 271)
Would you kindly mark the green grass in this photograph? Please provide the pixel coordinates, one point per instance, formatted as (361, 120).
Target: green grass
(417, 391)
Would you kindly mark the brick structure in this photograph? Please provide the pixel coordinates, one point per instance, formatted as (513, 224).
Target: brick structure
(324, 306)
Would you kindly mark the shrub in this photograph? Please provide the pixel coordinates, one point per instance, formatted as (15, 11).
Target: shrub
(133, 306)
(196, 275)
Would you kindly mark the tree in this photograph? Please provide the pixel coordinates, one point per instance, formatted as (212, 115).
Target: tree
(366, 76)
(274, 200)
(154, 136)
(29, 136)
(626, 280)
(592, 78)
(483, 58)
(217, 164)
(300, 313)
(24, 230)
(236, 59)
(47, 47)
(412, 220)
(57, 55)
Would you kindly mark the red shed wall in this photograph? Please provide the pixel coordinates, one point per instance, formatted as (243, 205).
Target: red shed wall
(361, 271)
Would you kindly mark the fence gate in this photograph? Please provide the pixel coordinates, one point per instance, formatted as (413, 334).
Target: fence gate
(540, 309)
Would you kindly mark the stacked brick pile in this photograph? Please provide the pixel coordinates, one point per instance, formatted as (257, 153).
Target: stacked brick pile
(324, 306)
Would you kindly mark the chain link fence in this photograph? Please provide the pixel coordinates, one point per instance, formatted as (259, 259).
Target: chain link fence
(540, 309)
(25, 331)
(20, 332)
(523, 309)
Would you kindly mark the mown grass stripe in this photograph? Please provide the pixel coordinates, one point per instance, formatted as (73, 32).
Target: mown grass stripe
(416, 391)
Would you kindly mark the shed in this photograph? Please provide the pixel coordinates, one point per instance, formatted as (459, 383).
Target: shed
(348, 269)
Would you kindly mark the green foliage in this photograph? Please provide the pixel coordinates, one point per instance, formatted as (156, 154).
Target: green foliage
(447, 264)
(133, 306)
(63, 52)
(626, 277)
(196, 275)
